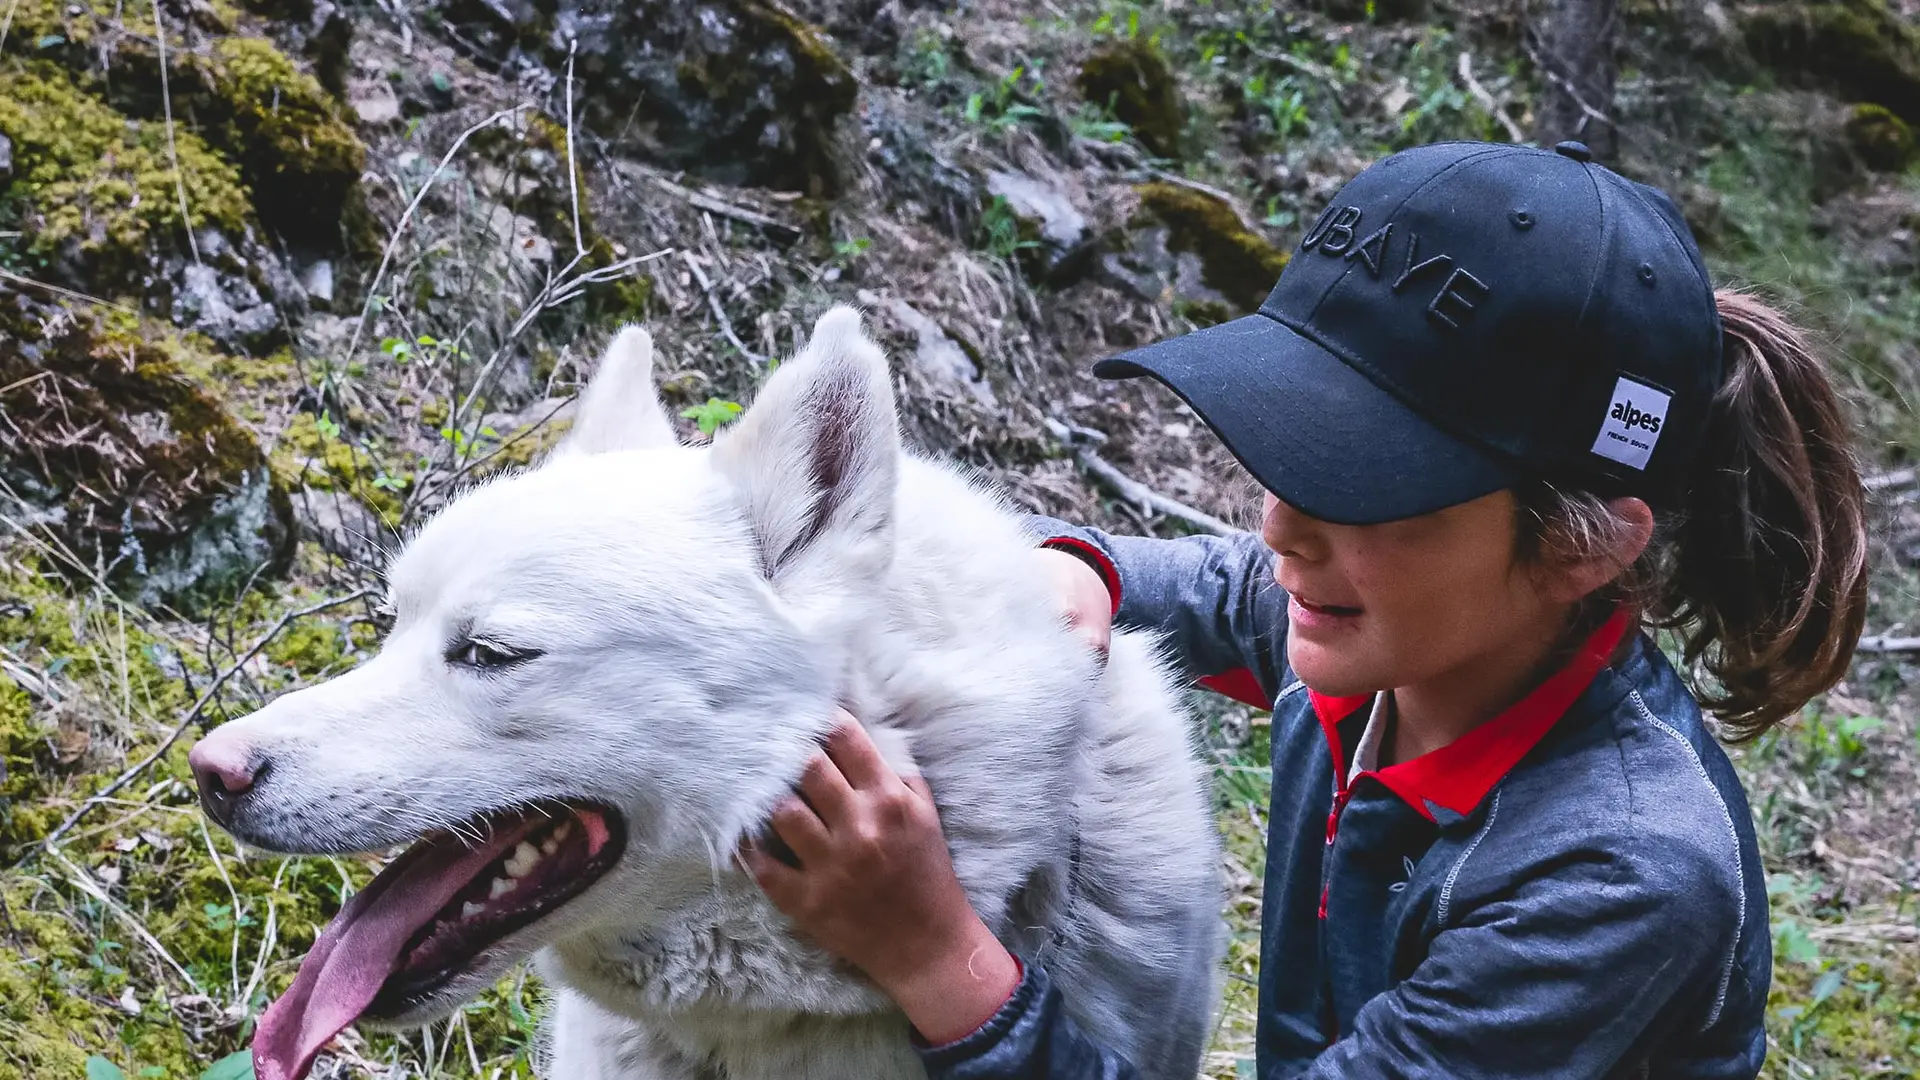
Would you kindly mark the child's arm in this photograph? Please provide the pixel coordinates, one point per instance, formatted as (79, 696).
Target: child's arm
(876, 887)
(1213, 597)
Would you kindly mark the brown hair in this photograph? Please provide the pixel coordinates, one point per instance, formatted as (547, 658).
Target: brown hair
(1763, 575)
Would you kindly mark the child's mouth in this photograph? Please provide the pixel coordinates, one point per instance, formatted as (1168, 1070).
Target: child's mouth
(1308, 613)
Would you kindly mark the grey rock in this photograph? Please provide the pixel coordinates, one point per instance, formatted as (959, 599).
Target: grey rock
(317, 279)
(340, 524)
(244, 531)
(939, 358)
(1047, 215)
(226, 308)
(6, 157)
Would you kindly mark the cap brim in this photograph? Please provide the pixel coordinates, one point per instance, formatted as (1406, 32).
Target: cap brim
(1311, 429)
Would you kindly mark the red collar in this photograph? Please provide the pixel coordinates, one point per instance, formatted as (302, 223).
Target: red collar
(1459, 775)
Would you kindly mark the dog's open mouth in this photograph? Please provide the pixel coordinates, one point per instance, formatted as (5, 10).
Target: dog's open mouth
(428, 916)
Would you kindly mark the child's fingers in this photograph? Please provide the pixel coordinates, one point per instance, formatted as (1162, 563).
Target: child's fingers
(803, 831)
(858, 759)
(827, 790)
(781, 883)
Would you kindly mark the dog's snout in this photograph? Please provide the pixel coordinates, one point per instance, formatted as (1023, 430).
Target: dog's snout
(224, 769)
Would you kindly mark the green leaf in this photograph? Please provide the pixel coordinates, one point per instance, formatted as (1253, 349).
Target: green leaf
(235, 1066)
(1824, 987)
(712, 416)
(99, 1068)
(328, 426)
(154, 1072)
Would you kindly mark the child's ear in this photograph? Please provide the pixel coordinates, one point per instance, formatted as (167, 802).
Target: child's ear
(1572, 581)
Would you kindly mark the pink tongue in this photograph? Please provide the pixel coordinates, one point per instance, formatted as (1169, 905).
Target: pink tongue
(354, 955)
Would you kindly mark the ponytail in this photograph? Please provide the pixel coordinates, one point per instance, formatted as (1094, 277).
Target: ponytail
(1763, 576)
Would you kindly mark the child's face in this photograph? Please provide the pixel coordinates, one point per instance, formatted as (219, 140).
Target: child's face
(1408, 603)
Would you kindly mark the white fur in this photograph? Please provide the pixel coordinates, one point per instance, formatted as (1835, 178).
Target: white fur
(700, 612)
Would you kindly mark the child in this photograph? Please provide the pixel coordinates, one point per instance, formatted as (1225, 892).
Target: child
(1507, 427)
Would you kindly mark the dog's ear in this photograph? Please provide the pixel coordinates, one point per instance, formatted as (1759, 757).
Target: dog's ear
(619, 409)
(814, 461)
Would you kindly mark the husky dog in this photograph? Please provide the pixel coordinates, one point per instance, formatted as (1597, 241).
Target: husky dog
(605, 672)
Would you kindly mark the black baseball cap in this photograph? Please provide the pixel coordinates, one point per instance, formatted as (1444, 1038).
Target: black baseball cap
(1461, 318)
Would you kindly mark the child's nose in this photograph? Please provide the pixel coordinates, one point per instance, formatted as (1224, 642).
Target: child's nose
(1289, 531)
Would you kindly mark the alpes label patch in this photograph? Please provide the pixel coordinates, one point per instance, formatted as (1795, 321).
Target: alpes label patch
(1632, 424)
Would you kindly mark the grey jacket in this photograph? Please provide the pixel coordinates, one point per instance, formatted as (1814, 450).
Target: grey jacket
(1572, 890)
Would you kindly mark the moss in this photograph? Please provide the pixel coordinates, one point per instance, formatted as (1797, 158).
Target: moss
(312, 648)
(309, 457)
(1861, 47)
(1238, 262)
(287, 135)
(99, 187)
(1848, 1015)
(1879, 138)
(23, 764)
(160, 486)
(1132, 78)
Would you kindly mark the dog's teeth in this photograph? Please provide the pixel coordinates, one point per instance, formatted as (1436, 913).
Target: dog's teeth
(523, 859)
(550, 846)
(561, 832)
(501, 887)
(471, 910)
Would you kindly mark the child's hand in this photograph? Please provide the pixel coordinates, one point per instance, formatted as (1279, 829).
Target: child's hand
(876, 887)
(1081, 595)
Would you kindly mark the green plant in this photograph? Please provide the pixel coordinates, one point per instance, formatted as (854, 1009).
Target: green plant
(1001, 107)
(713, 415)
(1281, 102)
(1000, 232)
(846, 251)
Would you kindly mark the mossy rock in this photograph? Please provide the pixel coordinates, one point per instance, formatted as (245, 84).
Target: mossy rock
(1879, 138)
(738, 91)
(287, 134)
(242, 97)
(139, 468)
(1860, 47)
(1239, 263)
(1133, 80)
(96, 194)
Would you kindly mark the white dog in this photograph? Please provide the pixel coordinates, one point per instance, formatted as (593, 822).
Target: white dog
(605, 672)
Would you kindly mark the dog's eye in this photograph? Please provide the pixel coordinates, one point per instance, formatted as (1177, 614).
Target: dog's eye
(485, 656)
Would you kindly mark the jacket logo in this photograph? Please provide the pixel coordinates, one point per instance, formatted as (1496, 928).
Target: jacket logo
(1632, 424)
(1337, 234)
(1400, 886)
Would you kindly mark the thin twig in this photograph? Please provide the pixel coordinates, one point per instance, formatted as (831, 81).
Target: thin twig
(18, 383)
(193, 712)
(8, 275)
(573, 164)
(393, 240)
(87, 885)
(1302, 65)
(720, 313)
(173, 154)
(1482, 95)
(1133, 491)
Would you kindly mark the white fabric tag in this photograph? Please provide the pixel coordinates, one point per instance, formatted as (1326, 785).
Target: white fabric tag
(1632, 424)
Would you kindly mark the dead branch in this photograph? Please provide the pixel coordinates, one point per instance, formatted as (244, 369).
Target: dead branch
(1891, 481)
(1485, 97)
(779, 231)
(8, 275)
(1131, 490)
(720, 313)
(193, 713)
(1885, 644)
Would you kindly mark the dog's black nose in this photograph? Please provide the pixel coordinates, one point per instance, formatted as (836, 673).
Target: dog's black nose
(224, 771)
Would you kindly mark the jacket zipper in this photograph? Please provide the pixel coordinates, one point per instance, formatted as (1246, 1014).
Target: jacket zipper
(1333, 829)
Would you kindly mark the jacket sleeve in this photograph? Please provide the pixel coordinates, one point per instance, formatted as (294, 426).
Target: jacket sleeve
(1213, 597)
(1573, 974)
(1030, 1038)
